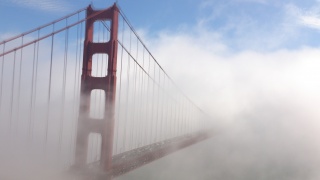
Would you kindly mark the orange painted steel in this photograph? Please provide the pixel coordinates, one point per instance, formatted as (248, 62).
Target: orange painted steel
(104, 126)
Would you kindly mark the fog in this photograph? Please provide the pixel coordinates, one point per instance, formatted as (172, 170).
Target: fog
(264, 107)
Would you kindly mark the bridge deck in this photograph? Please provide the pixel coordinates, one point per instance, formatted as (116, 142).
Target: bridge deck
(130, 160)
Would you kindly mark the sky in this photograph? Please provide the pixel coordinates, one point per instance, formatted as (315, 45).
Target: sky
(253, 65)
(220, 31)
(241, 24)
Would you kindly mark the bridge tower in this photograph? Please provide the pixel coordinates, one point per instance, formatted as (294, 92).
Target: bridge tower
(86, 124)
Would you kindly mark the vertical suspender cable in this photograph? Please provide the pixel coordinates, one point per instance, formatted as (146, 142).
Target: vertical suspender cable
(140, 101)
(138, 104)
(176, 114)
(194, 120)
(1, 80)
(180, 115)
(169, 106)
(188, 121)
(158, 106)
(173, 112)
(142, 95)
(133, 107)
(127, 98)
(188, 117)
(139, 95)
(185, 115)
(164, 115)
(152, 122)
(74, 115)
(31, 95)
(171, 117)
(35, 88)
(49, 92)
(64, 79)
(12, 89)
(120, 85)
(148, 118)
(132, 119)
(78, 87)
(160, 101)
(19, 85)
(162, 110)
(168, 109)
(177, 124)
(134, 124)
(139, 110)
(135, 120)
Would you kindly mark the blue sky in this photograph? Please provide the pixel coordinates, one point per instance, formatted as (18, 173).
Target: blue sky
(241, 24)
(234, 50)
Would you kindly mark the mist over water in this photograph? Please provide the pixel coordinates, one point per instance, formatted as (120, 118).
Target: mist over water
(273, 141)
(265, 109)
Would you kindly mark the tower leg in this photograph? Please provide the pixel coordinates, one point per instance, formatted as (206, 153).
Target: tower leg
(86, 124)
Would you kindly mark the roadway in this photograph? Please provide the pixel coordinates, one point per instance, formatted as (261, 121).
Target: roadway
(242, 153)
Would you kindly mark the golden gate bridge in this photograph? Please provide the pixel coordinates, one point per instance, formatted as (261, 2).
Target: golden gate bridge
(85, 93)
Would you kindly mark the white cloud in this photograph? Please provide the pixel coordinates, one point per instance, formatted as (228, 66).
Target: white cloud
(274, 26)
(305, 17)
(311, 21)
(253, 1)
(226, 83)
(267, 103)
(44, 5)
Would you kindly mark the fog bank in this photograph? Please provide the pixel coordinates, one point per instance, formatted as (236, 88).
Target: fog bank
(264, 107)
